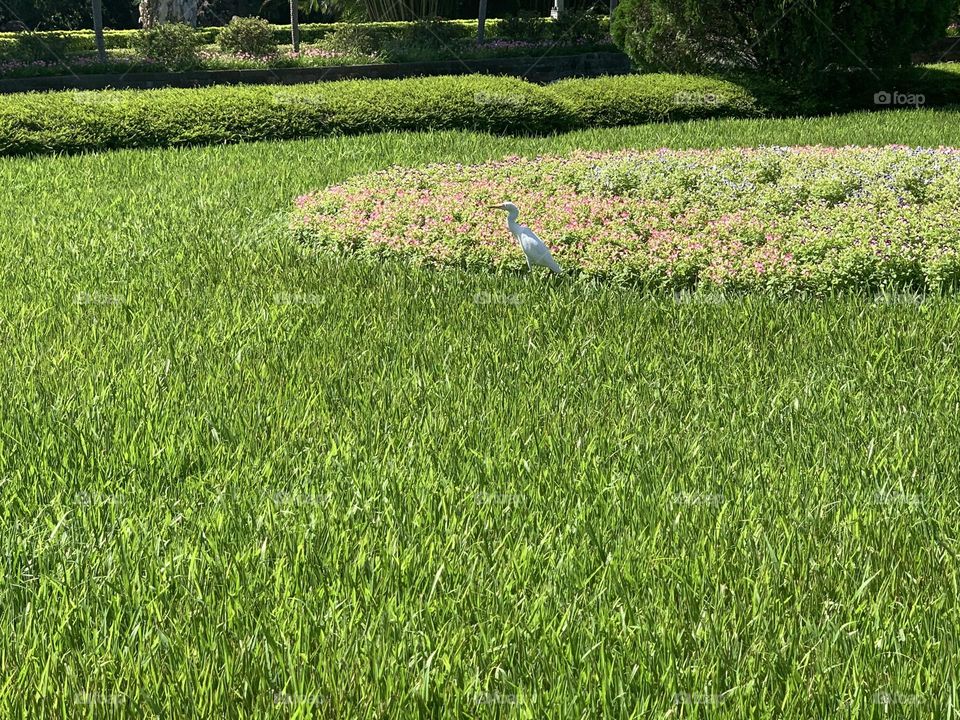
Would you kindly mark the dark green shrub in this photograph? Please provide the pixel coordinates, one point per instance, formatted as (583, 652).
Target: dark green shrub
(35, 46)
(173, 45)
(574, 25)
(353, 40)
(637, 99)
(524, 26)
(432, 34)
(73, 122)
(248, 35)
(792, 40)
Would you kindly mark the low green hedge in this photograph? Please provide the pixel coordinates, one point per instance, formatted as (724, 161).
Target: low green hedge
(24, 45)
(638, 99)
(79, 121)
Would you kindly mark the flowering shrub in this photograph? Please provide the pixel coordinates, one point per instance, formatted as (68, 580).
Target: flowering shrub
(786, 219)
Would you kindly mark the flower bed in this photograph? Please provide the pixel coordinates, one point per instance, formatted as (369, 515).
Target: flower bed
(212, 58)
(787, 219)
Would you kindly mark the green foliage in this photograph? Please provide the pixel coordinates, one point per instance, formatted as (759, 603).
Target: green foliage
(431, 33)
(71, 122)
(32, 46)
(354, 39)
(426, 39)
(173, 45)
(586, 26)
(793, 40)
(526, 25)
(380, 33)
(786, 220)
(636, 99)
(249, 35)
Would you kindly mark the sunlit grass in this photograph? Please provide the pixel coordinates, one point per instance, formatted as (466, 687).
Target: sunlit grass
(241, 480)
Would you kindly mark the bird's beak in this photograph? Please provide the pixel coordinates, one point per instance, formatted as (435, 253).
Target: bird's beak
(495, 207)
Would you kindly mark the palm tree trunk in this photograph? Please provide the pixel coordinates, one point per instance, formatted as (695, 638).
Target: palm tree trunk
(482, 22)
(295, 24)
(98, 30)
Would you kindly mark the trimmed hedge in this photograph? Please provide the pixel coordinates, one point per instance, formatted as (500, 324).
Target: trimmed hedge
(17, 45)
(637, 99)
(78, 121)
(81, 121)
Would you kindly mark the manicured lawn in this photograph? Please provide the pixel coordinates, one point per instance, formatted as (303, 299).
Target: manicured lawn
(242, 479)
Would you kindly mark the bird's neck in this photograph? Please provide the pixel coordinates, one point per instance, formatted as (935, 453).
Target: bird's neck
(512, 220)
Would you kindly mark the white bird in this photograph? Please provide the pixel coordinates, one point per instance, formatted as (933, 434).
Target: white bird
(534, 249)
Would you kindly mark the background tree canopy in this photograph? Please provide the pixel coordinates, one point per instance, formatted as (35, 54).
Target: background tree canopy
(784, 38)
(123, 14)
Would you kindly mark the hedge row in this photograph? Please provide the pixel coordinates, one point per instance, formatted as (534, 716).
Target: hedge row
(78, 121)
(16, 45)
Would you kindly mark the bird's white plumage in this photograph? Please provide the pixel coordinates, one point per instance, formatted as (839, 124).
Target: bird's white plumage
(535, 250)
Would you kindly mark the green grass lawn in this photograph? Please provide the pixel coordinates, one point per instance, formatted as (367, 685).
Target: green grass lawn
(242, 480)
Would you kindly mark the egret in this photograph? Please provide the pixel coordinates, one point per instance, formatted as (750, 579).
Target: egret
(536, 252)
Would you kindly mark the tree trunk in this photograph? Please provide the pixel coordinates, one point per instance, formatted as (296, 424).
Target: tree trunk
(98, 30)
(613, 6)
(295, 24)
(482, 22)
(158, 12)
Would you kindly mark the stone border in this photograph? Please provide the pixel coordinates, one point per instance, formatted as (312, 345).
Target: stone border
(541, 70)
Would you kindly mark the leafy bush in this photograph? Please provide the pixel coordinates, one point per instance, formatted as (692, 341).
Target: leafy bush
(173, 45)
(636, 99)
(29, 47)
(425, 39)
(806, 219)
(353, 40)
(249, 35)
(795, 42)
(586, 26)
(432, 33)
(524, 26)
